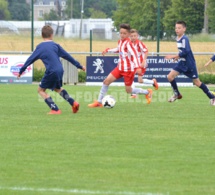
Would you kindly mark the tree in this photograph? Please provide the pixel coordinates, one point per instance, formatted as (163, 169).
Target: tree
(52, 15)
(4, 12)
(191, 11)
(97, 14)
(211, 16)
(141, 15)
(107, 7)
(19, 10)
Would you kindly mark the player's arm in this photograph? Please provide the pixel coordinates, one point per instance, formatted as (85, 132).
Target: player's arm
(34, 56)
(175, 57)
(65, 55)
(108, 50)
(144, 52)
(210, 61)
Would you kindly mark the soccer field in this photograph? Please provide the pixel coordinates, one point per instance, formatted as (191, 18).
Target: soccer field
(133, 149)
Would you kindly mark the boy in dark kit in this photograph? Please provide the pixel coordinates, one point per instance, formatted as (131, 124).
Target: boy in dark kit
(50, 52)
(186, 64)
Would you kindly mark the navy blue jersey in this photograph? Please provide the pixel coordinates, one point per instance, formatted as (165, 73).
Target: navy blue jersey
(50, 52)
(213, 58)
(185, 53)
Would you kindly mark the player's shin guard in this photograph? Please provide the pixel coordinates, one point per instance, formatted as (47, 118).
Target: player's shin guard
(175, 87)
(51, 104)
(206, 91)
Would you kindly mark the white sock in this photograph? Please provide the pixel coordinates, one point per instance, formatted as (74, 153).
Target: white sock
(139, 91)
(147, 81)
(102, 92)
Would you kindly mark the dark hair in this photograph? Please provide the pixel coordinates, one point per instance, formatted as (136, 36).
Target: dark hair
(125, 26)
(183, 23)
(47, 31)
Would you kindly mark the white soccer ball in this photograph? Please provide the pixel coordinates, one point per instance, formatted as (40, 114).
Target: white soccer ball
(108, 101)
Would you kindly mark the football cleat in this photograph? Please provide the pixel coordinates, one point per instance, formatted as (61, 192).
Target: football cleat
(175, 97)
(95, 104)
(75, 107)
(155, 84)
(55, 112)
(149, 96)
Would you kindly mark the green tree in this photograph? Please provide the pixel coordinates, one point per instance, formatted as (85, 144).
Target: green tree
(4, 12)
(19, 10)
(97, 14)
(52, 15)
(191, 11)
(106, 7)
(141, 15)
(211, 16)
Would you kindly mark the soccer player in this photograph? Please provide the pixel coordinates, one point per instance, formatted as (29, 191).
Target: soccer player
(186, 64)
(142, 53)
(128, 62)
(50, 52)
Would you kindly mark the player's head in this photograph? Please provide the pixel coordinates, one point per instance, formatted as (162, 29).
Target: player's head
(180, 27)
(124, 31)
(134, 35)
(47, 32)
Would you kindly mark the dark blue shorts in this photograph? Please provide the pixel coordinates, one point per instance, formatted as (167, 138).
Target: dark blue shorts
(187, 71)
(51, 82)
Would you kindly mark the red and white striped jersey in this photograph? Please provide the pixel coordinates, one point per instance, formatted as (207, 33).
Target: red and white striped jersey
(141, 50)
(128, 58)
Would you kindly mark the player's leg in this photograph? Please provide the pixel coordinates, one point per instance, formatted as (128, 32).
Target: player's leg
(128, 79)
(171, 78)
(63, 93)
(48, 100)
(115, 74)
(204, 88)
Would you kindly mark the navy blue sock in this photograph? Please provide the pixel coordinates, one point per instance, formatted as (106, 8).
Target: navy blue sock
(206, 91)
(51, 104)
(66, 96)
(175, 87)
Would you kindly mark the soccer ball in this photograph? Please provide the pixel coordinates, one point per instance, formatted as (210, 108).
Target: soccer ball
(108, 101)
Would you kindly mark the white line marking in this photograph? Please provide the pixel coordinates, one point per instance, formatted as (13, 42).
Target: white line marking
(77, 191)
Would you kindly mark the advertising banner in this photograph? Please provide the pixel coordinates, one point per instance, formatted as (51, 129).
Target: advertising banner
(98, 69)
(9, 69)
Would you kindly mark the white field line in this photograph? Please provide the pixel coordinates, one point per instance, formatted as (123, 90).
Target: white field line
(76, 191)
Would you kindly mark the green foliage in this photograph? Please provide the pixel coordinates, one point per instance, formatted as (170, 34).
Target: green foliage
(38, 74)
(4, 12)
(19, 10)
(96, 13)
(191, 11)
(100, 6)
(52, 15)
(207, 78)
(81, 77)
(211, 16)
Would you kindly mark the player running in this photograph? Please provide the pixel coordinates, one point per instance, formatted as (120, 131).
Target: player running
(126, 68)
(142, 53)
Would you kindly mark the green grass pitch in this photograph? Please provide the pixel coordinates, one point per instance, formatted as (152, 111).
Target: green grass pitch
(133, 149)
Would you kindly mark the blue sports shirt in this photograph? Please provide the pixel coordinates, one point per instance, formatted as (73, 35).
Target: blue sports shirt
(185, 52)
(50, 52)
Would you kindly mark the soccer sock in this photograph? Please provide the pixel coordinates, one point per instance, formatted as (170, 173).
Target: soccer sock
(51, 104)
(102, 92)
(66, 96)
(147, 81)
(206, 91)
(175, 87)
(139, 91)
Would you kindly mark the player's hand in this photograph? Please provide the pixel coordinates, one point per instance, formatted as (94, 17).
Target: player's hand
(105, 51)
(83, 68)
(18, 76)
(168, 57)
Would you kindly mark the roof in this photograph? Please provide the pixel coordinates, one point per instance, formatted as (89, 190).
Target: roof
(47, 2)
